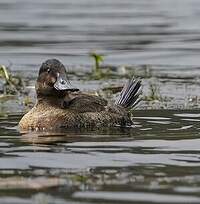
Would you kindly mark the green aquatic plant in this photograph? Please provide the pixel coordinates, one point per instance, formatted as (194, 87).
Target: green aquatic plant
(97, 71)
(102, 72)
(4, 73)
(108, 71)
(80, 178)
(11, 84)
(97, 60)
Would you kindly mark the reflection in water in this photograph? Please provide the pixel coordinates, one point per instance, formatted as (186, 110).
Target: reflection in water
(157, 162)
(43, 138)
(106, 134)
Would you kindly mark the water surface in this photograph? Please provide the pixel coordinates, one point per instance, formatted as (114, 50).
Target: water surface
(157, 161)
(156, 32)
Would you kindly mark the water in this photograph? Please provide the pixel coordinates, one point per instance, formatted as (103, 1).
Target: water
(156, 32)
(157, 161)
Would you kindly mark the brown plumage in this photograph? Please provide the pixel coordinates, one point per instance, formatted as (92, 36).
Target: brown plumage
(59, 105)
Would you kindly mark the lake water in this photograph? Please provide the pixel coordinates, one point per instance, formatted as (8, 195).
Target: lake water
(157, 161)
(156, 32)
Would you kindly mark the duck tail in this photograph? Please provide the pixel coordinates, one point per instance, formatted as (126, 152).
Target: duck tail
(129, 96)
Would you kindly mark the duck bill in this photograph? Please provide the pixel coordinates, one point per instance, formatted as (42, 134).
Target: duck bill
(62, 84)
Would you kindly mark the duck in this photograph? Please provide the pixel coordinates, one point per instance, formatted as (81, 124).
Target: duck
(61, 105)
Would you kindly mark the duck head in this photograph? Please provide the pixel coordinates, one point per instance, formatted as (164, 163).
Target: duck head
(52, 79)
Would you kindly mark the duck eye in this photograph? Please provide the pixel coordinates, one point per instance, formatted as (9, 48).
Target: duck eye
(48, 70)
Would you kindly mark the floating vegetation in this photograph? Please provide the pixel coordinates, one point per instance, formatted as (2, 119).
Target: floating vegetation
(80, 178)
(100, 71)
(154, 93)
(11, 85)
(160, 91)
(11, 90)
(17, 182)
(147, 71)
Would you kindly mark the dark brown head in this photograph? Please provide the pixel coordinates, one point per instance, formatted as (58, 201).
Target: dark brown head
(52, 79)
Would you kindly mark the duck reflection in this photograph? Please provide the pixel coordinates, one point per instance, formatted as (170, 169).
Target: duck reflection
(74, 136)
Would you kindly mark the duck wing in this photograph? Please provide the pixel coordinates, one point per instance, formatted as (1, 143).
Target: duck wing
(85, 103)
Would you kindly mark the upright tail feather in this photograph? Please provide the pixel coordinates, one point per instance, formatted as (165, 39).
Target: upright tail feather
(129, 96)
